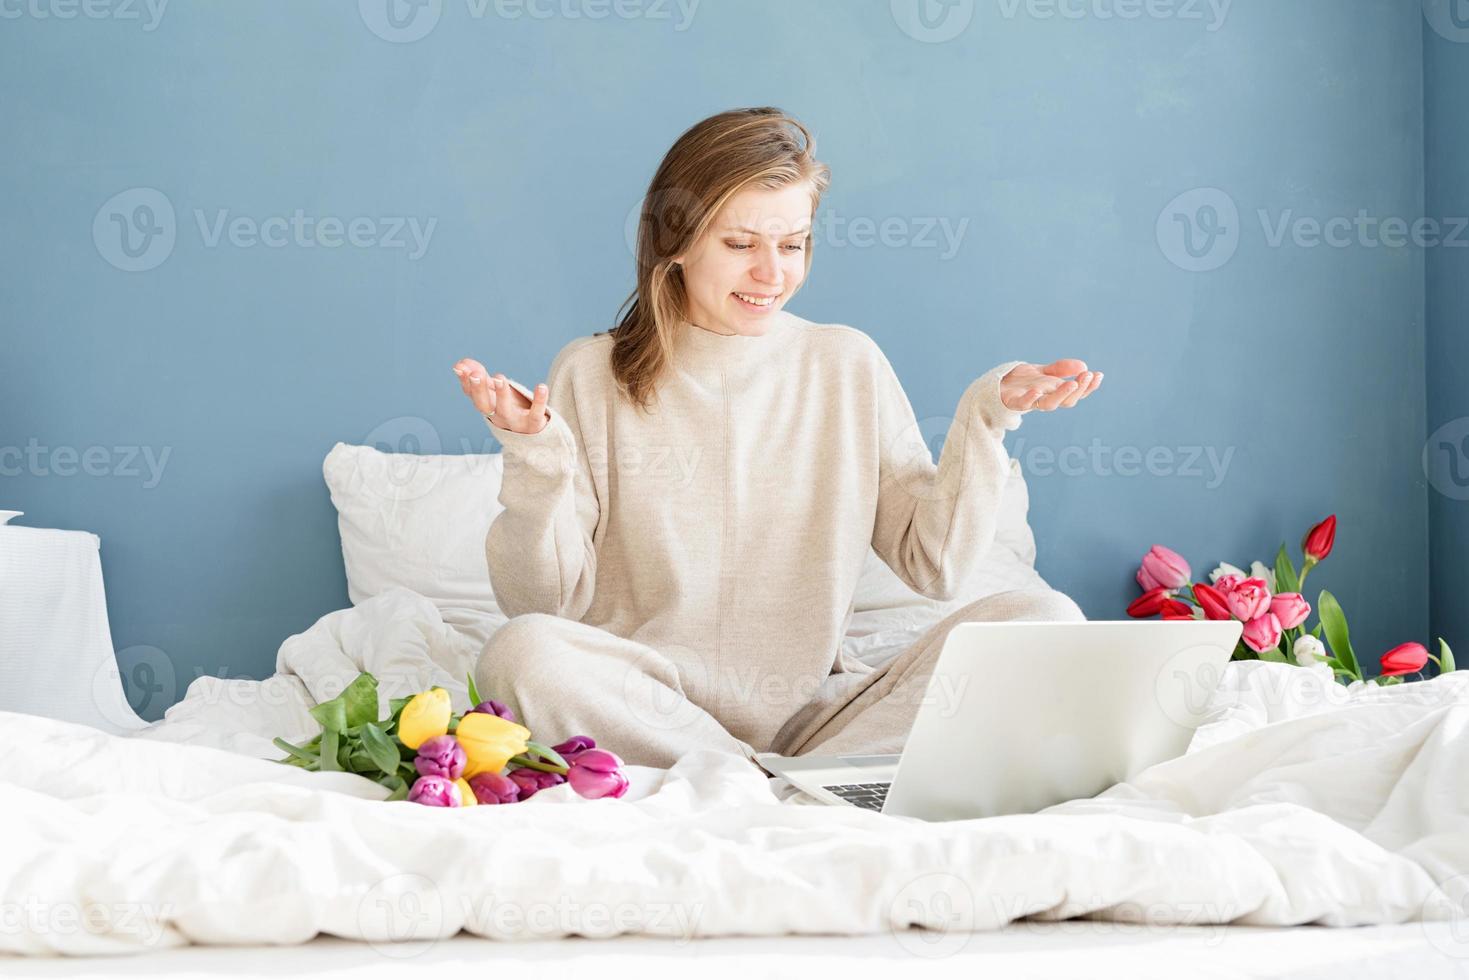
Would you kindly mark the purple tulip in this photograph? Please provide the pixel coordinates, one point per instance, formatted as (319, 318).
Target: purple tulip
(434, 791)
(574, 745)
(493, 707)
(596, 773)
(532, 781)
(492, 788)
(441, 756)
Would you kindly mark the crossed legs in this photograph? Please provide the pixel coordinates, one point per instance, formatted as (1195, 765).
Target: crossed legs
(564, 678)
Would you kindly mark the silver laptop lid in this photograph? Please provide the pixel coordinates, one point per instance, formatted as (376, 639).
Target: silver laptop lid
(1021, 716)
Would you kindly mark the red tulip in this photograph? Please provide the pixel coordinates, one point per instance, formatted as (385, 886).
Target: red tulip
(1149, 604)
(1405, 658)
(1215, 606)
(1290, 608)
(1163, 567)
(1318, 541)
(1262, 633)
(1249, 599)
(1174, 609)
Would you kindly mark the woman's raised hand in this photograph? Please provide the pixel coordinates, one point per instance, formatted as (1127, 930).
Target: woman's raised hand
(496, 399)
(1048, 387)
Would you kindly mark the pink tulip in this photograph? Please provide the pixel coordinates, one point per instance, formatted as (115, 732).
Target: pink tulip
(1163, 568)
(1226, 584)
(596, 773)
(441, 755)
(434, 791)
(1262, 633)
(532, 781)
(493, 788)
(1290, 608)
(1248, 600)
(569, 749)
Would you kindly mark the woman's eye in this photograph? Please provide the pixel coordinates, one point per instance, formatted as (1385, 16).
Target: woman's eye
(738, 246)
(796, 248)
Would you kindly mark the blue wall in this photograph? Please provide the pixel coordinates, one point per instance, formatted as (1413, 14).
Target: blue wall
(1049, 150)
(1446, 120)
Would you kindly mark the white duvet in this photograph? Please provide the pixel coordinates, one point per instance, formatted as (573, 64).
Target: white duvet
(1297, 803)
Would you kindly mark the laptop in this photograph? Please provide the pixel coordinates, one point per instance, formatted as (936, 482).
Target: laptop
(1020, 716)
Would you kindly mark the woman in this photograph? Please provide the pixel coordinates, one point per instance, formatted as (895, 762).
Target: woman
(689, 498)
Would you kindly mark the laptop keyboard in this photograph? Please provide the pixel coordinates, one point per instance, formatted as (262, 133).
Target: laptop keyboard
(869, 796)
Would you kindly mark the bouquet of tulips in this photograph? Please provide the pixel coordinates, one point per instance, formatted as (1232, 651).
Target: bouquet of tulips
(1271, 605)
(424, 753)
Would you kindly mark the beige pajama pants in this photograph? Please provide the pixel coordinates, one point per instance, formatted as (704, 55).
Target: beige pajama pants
(563, 678)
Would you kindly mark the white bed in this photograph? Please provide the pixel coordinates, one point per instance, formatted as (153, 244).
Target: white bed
(1040, 951)
(1298, 803)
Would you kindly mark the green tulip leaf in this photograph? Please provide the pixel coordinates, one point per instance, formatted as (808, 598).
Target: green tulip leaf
(1445, 657)
(332, 715)
(1285, 573)
(1273, 655)
(383, 751)
(356, 705)
(1338, 640)
(360, 697)
(330, 745)
(397, 785)
(473, 691)
(297, 756)
(536, 749)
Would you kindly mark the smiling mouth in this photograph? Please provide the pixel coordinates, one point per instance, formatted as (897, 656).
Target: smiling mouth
(756, 300)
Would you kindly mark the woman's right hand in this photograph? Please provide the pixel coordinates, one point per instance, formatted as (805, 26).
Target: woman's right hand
(493, 394)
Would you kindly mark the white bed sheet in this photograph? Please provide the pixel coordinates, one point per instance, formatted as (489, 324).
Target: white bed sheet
(1295, 804)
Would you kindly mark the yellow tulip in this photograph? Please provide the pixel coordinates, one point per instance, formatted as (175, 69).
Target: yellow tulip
(489, 741)
(466, 795)
(425, 717)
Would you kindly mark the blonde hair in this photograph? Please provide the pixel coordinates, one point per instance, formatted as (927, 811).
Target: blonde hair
(710, 163)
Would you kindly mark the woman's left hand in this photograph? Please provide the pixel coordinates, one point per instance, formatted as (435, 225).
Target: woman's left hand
(1048, 387)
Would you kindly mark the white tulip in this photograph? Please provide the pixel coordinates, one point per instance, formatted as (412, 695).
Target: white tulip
(1308, 650)
(1258, 570)
(1225, 568)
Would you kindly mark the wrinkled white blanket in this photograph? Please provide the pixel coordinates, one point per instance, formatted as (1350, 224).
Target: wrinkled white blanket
(1298, 802)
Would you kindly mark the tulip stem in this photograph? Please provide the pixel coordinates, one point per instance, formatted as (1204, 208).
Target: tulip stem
(1306, 566)
(526, 762)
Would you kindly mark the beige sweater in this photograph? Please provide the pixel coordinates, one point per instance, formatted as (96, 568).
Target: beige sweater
(728, 528)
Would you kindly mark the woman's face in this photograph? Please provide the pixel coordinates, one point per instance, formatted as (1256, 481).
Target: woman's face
(750, 260)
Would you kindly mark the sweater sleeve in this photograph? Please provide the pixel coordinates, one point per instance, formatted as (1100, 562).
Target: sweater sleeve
(934, 522)
(540, 550)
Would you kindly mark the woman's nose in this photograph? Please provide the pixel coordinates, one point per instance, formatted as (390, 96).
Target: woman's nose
(767, 267)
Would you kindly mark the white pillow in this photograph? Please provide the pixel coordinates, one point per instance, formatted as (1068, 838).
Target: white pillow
(419, 522)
